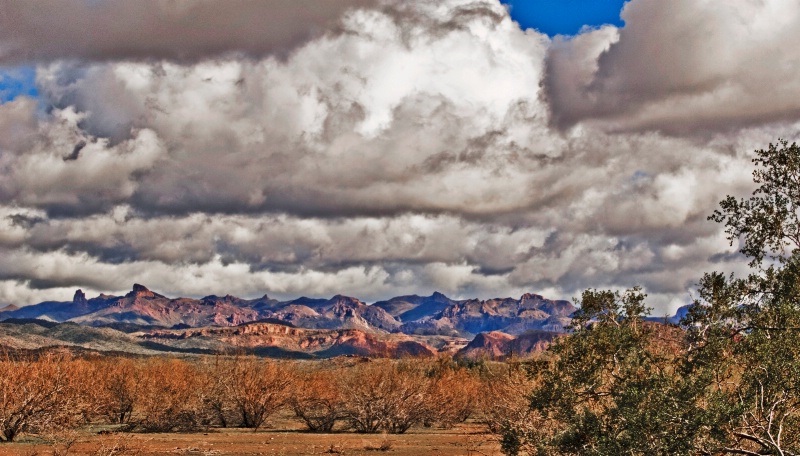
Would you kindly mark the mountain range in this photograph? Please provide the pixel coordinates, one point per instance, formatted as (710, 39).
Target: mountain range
(421, 315)
(145, 322)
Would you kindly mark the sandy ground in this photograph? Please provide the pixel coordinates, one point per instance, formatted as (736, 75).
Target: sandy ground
(465, 439)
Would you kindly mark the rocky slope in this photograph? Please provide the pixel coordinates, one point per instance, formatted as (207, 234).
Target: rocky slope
(513, 316)
(499, 345)
(339, 312)
(265, 339)
(280, 338)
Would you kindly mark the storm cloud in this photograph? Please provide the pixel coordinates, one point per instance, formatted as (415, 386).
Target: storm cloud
(378, 149)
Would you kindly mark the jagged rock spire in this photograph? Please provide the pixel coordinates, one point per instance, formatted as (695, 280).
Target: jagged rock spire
(79, 298)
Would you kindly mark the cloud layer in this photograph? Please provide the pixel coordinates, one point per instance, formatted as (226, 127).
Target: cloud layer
(382, 149)
(185, 30)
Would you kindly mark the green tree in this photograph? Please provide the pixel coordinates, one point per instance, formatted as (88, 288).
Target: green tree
(769, 221)
(614, 386)
(726, 383)
(744, 333)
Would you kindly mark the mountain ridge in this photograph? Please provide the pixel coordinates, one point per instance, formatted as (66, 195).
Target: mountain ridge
(411, 314)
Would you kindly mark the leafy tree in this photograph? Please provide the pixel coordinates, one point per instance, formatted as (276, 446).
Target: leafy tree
(769, 221)
(614, 386)
(744, 333)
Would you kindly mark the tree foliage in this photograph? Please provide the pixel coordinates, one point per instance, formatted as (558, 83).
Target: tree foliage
(769, 221)
(727, 382)
(744, 333)
(748, 330)
(614, 386)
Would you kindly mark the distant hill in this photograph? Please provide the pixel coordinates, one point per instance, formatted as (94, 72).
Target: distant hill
(29, 334)
(413, 307)
(672, 319)
(264, 339)
(8, 307)
(499, 345)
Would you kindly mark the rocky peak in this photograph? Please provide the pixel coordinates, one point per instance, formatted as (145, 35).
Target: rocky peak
(531, 296)
(140, 291)
(348, 301)
(79, 298)
(227, 299)
(8, 308)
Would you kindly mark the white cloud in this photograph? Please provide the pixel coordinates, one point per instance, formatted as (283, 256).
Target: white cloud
(684, 66)
(413, 147)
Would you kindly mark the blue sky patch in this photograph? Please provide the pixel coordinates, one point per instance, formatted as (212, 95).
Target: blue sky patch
(17, 81)
(565, 17)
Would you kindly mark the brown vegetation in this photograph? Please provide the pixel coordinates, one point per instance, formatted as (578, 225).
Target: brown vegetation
(57, 393)
(169, 396)
(317, 400)
(256, 389)
(50, 393)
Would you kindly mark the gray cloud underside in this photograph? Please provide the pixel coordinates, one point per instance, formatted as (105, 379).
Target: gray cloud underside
(400, 148)
(186, 30)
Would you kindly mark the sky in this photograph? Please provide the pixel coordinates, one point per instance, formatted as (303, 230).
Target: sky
(377, 148)
(565, 17)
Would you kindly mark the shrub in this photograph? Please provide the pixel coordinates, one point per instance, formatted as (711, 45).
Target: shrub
(257, 389)
(384, 395)
(49, 394)
(169, 397)
(317, 400)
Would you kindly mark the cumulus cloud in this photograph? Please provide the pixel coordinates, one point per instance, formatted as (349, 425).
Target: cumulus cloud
(330, 137)
(682, 66)
(411, 147)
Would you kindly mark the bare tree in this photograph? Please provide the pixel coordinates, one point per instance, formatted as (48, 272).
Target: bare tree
(169, 397)
(42, 395)
(317, 400)
(384, 395)
(452, 397)
(257, 389)
(217, 405)
(120, 387)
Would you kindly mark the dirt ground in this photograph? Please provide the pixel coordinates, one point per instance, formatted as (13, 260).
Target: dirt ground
(465, 439)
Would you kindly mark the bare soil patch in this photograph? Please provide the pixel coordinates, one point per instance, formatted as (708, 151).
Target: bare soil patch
(463, 439)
